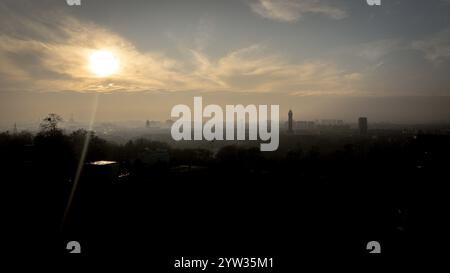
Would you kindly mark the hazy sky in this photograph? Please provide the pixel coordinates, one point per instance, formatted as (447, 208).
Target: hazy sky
(324, 59)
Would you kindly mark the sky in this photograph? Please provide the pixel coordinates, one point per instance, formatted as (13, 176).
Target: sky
(321, 58)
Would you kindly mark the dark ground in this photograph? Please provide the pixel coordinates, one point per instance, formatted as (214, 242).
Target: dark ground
(323, 197)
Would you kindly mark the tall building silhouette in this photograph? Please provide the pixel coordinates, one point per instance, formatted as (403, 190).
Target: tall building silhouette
(362, 125)
(290, 122)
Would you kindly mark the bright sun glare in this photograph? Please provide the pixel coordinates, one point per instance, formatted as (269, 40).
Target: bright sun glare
(103, 63)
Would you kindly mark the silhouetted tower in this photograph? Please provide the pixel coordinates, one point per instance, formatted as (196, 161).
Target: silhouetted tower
(15, 129)
(362, 125)
(290, 122)
(147, 124)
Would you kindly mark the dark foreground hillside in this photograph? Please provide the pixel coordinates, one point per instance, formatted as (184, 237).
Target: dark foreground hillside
(316, 197)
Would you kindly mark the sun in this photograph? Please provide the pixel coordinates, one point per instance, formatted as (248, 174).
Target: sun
(103, 63)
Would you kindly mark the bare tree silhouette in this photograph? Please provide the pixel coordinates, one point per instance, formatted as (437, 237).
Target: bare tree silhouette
(49, 124)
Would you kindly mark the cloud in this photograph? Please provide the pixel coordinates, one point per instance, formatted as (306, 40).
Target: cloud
(293, 10)
(51, 54)
(436, 48)
(253, 69)
(376, 50)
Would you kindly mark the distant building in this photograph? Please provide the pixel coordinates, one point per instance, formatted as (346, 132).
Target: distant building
(304, 125)
(290, 122)
(152, 124)
(332, 122)
(362, 125)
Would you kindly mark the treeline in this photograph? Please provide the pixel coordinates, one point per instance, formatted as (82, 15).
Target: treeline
(53, 152)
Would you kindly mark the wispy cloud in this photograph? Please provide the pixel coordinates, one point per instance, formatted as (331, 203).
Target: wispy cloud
(376, 50)
(52, 56)
(293, 10)
(436, 48)
(254, 69)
